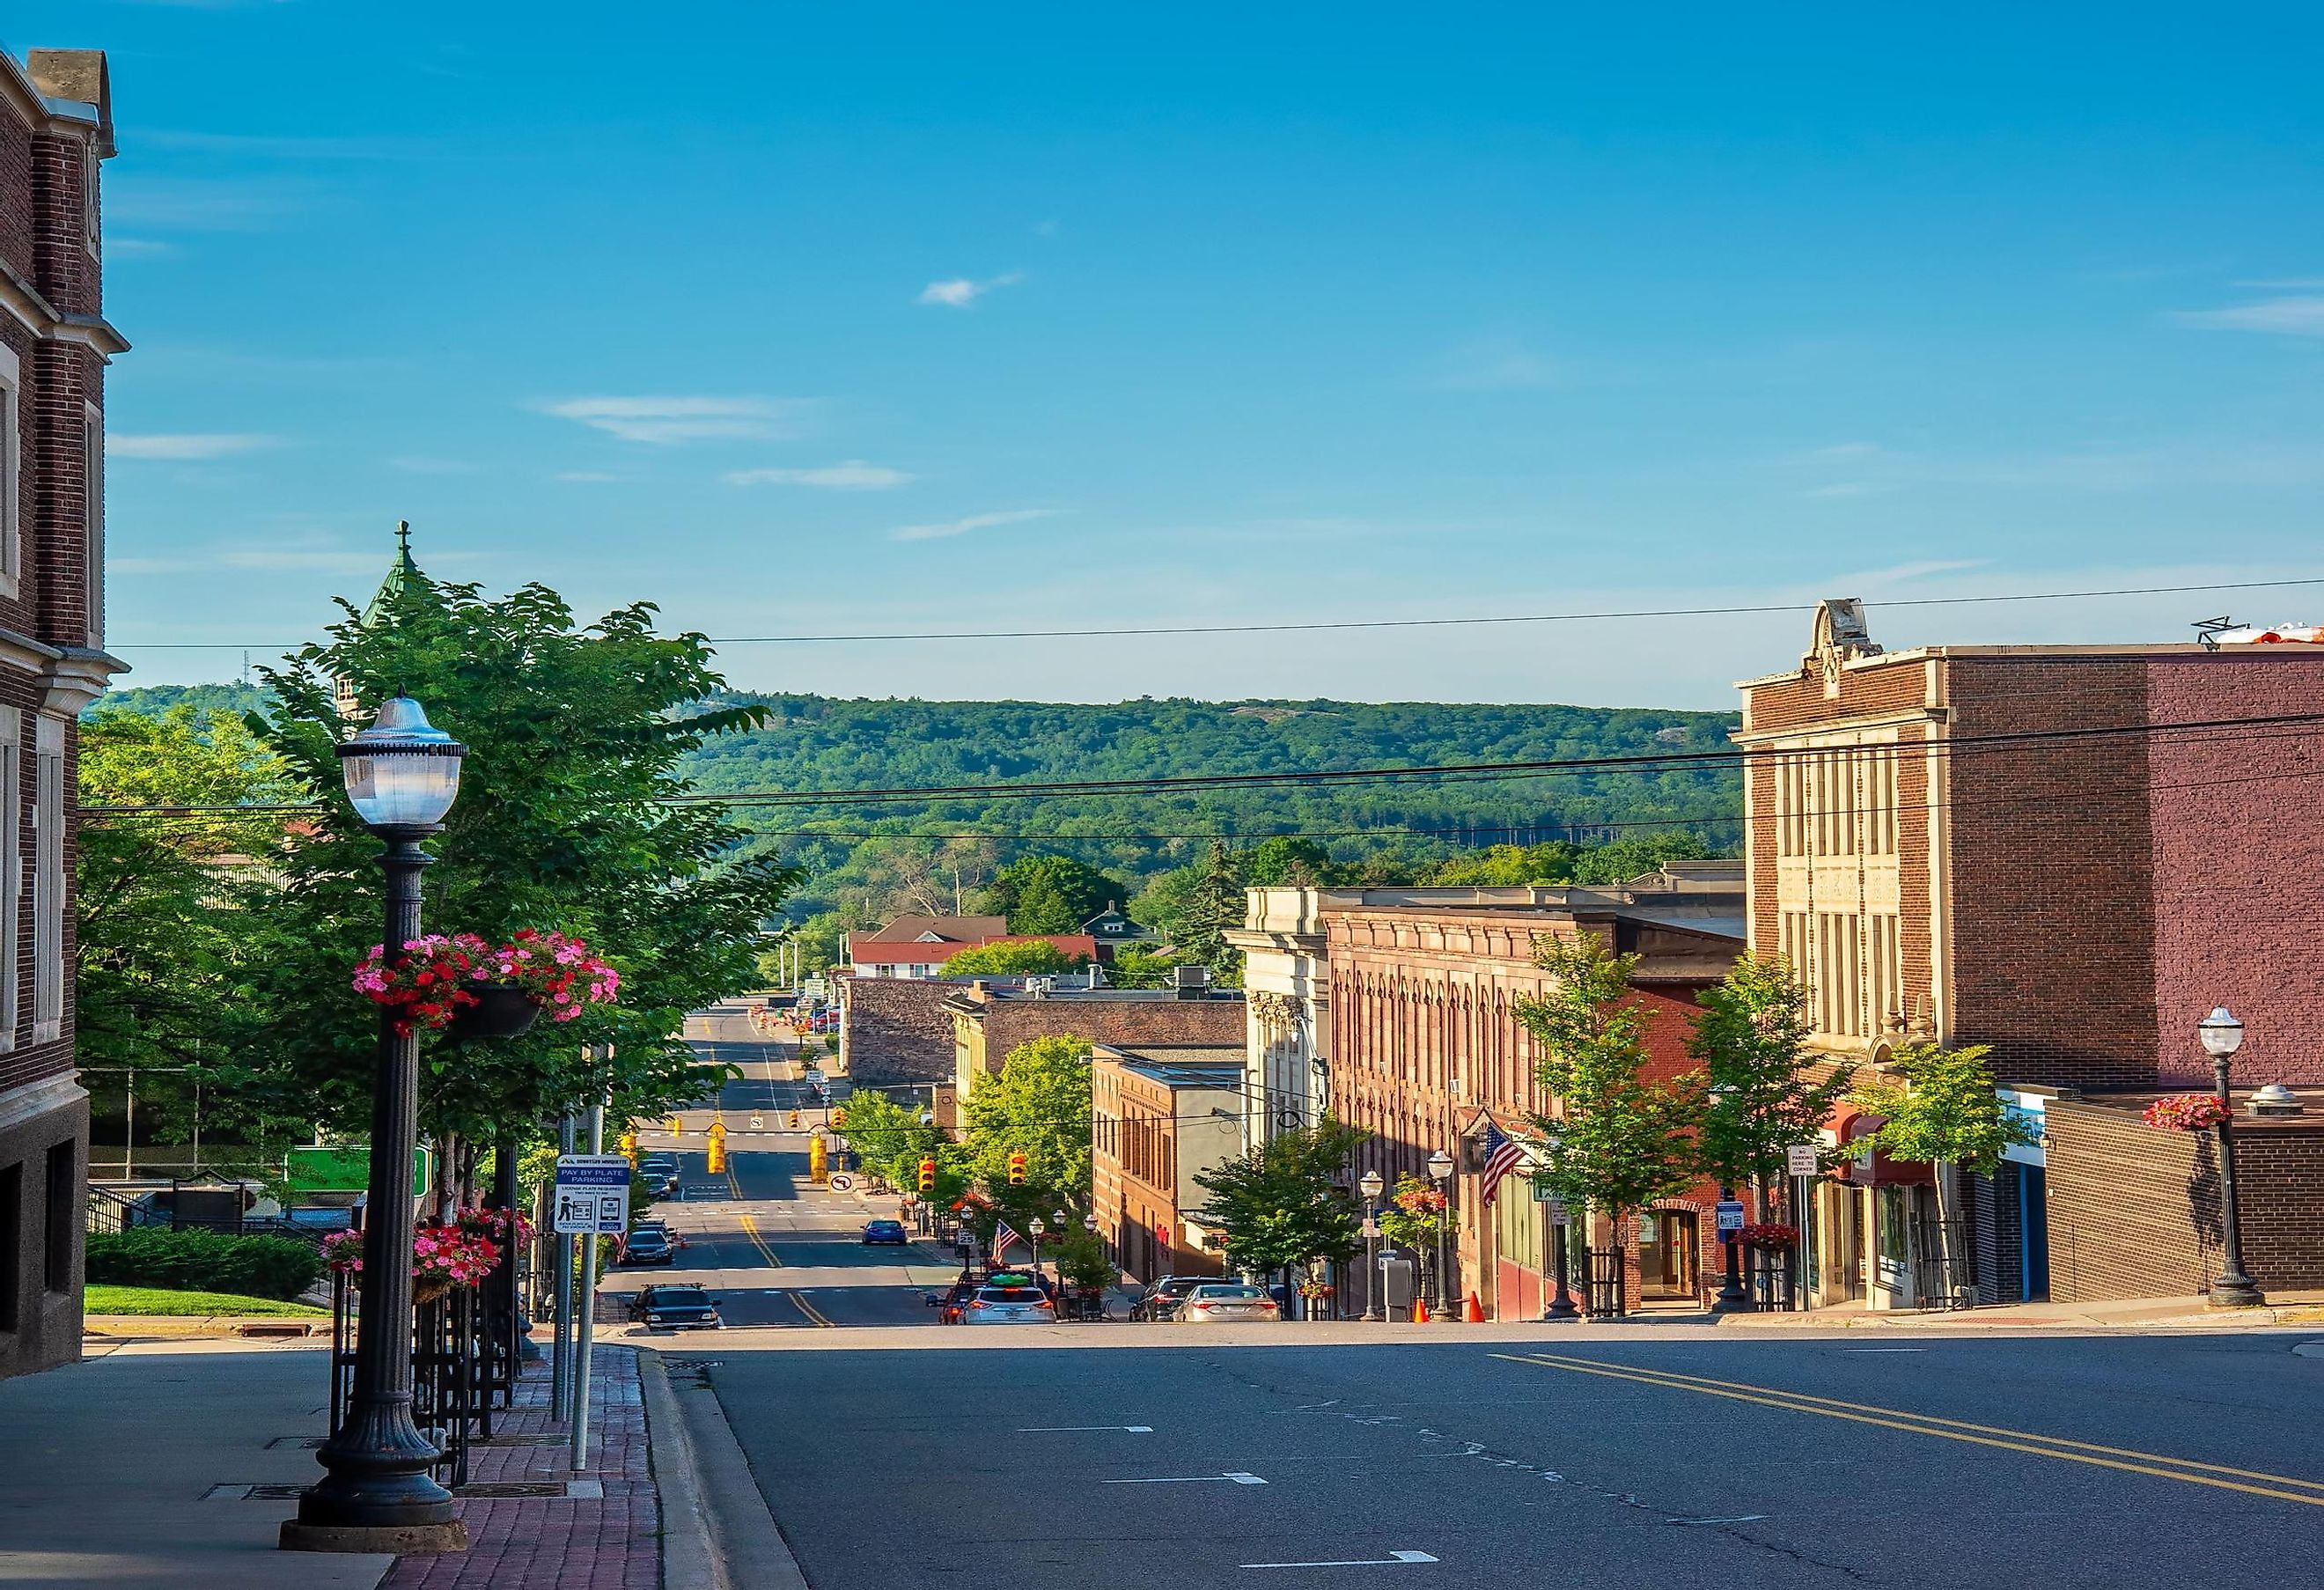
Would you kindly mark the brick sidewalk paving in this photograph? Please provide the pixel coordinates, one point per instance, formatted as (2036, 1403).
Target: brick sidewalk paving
(535, 1542)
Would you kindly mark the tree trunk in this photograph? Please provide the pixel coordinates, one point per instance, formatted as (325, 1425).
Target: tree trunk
(1945, 1170)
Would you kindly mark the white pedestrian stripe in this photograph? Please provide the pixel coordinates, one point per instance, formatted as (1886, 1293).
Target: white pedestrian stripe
(1391, 1560)
(1237, 1475)
(1058, 1429)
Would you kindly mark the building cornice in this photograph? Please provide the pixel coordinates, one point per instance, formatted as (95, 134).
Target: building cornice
(1819, 727)
(35, 1099)
(79, 676)
(43, 319)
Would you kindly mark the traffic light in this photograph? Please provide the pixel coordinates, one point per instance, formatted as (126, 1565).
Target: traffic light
(928, 1174)
(630, 1146)
(794, 1118)
(717, 1147)
(1016, 1169)
(839, 1117)
(677, 1127)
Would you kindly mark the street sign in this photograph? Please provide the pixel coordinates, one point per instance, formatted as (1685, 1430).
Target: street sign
(593, 1195)
(1731, 1215)
(1800, 1158)
(841, 1182)
(758, 1122)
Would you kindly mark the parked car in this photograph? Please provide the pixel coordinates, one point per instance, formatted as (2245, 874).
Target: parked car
(1216, 1302)
(953, 1302)
(646, 1244)
(889, 1231)
(1162, 1299)
(677, 1238)
(1020, 1302)
(658, 1165)
(676, 1308)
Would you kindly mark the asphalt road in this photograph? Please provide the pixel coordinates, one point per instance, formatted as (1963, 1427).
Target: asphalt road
(776, 1250)
(1574, 1459)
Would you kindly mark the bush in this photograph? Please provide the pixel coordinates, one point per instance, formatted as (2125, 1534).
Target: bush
(204, 1261)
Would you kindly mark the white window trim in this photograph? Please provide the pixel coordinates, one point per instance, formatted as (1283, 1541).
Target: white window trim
(92, 419)
(12, 472)
(48, 879)
(12, 868)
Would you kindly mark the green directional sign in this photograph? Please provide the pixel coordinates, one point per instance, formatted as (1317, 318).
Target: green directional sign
(342, 1168)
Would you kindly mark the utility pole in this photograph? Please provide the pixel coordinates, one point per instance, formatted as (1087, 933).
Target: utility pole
(560, 1354)
(578, 1457)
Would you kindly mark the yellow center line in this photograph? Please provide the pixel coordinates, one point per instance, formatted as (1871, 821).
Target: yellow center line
(1923, 1425)
(751, 1230)
(809, 1310)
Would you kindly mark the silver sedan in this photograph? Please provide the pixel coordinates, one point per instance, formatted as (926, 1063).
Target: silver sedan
(1219, 1303)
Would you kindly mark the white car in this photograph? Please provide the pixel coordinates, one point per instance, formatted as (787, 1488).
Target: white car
(1009, 1305)
(1215, 1304)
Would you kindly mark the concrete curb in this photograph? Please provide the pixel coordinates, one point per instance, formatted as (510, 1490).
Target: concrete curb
(716, 1533)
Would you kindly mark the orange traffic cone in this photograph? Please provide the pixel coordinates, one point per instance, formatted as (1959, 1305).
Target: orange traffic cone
(1473, 1312)
(1420, 1311)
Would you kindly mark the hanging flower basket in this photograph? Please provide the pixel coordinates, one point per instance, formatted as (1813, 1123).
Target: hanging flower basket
(482, 991)
(2186, 1112)
(493, 1010)
(1770, 1234)
(443, 1257)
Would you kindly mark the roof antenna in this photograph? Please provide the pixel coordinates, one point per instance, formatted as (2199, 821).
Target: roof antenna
(2208, 630)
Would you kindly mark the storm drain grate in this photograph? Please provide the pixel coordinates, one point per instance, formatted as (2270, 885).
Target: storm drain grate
(519, 1441)
(506, 1490)
(244, 1491)
(279, 1442)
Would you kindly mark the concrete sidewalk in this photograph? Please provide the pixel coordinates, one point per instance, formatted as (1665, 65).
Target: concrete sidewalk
(132, 1470)
(2282, 1309)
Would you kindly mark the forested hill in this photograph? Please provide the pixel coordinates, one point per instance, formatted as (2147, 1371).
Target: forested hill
(818, 742)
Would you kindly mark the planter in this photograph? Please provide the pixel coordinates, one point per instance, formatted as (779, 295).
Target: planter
(501, 1010)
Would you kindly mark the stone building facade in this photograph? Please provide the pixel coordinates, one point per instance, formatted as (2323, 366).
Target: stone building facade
(1160, 1116)
(56, 129)
(2067, 853)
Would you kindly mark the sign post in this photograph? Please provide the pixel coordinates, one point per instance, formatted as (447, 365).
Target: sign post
(592, 1200)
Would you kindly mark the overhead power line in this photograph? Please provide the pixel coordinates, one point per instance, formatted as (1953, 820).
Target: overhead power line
(1309, 627)
(2222, 729)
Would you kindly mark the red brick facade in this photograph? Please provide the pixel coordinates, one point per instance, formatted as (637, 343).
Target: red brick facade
(1425, 1042)
(55, 127)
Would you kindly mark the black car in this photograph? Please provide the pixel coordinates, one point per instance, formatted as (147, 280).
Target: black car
(649, 1244)
(677, 1308)
(890, 1231)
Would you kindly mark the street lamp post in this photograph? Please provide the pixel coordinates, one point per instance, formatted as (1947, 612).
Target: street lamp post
(1372, 1185)
(1561, 1305)
(1440, 1171)
(2222, 1036)
(1730, 1285)
(1033, 1228)
(375, 1495)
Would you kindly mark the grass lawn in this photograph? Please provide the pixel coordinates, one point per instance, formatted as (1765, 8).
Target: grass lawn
(108, 1299)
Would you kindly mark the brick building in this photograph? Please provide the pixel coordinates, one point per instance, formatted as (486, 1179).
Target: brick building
(920, 947)
(1160, 1115)
(989, 1019)
(2068, 852)
(55, 130)
(1424, 1047)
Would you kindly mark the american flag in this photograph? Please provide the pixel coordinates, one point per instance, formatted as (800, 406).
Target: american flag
(1002, 1237)
(1502, 1155)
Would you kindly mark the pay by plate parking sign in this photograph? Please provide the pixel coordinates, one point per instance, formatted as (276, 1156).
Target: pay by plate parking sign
(592, 1195)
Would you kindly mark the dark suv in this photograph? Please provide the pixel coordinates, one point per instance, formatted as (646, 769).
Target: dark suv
(1162, 1299)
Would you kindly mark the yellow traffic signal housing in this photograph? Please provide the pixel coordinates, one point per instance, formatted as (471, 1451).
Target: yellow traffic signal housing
(630, 1146)
(1016, 1169)
(794, 1118)
(839, 1117)
(928, 1175)
(677, 1127)
(717, 1155)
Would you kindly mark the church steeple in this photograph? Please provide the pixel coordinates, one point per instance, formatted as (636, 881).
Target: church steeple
(397, 572)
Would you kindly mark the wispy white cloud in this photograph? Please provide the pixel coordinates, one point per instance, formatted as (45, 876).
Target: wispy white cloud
(2298, 316)
(1495, 364)
(187, 446)
(1047, 228)
(435, 466)
(960, 291)
(663, 421)
(951, 527)
(1844, 488)
(1923, 569)
(204, 204)
(854, 474)
(275, 146)
(137, 247)
(587, 476)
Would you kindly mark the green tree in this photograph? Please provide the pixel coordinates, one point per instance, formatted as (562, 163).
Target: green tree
(1628, 858)
(1214, 906)
(1287, 862)
(160, 936)
(1052, 893)
(1031, 957)
(891, 1141)
(1504, 865)
(1941, 1110)
(1141, 968)
(1763, 1095)
(1037, 1106)
(570, 817)
(1282, 1204)
(1623, 1141)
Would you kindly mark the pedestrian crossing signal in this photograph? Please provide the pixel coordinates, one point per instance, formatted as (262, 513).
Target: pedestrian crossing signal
(1016, 1169)
(928, 1175)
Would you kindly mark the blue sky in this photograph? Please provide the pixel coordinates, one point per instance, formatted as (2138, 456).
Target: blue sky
(892, 317)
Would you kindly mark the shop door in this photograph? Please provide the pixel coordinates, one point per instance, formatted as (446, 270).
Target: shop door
(1849, 1258)
(2033, 1219)
(1667, 1242)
